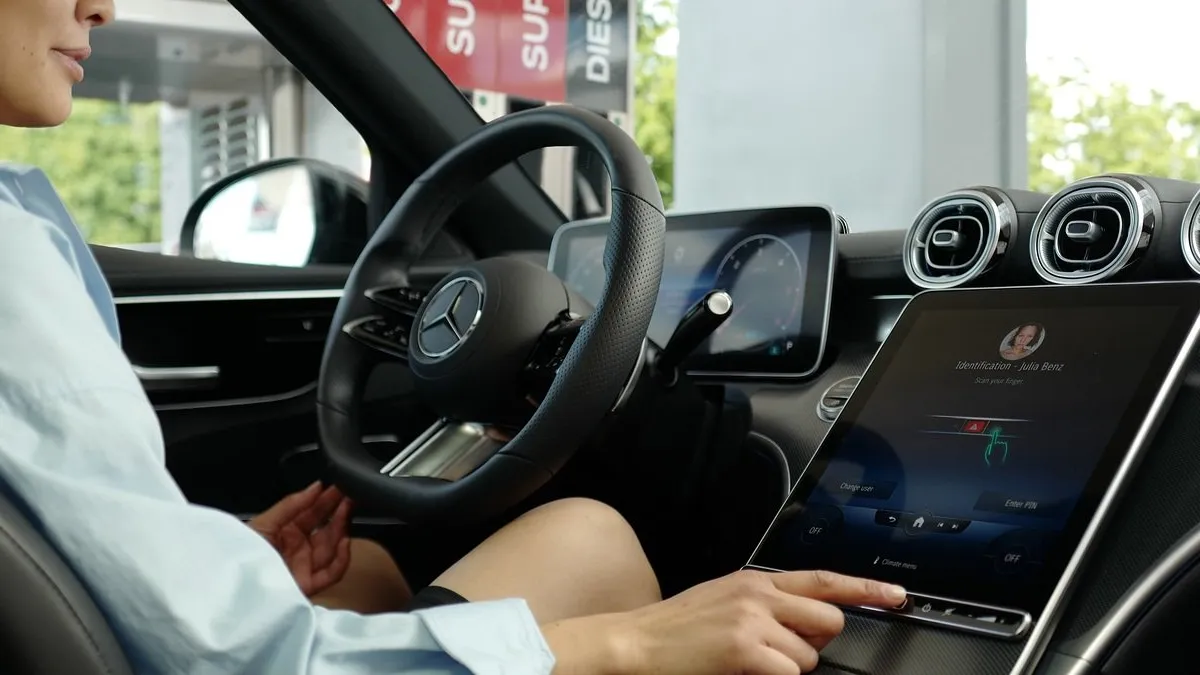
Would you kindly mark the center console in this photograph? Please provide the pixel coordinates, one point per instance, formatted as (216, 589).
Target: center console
(978, 463)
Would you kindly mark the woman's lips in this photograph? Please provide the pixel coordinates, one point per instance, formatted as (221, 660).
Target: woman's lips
(72, 58)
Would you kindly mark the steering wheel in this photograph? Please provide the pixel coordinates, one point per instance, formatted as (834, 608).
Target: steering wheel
(495, 346)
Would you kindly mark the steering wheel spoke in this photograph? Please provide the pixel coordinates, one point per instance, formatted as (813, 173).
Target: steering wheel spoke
(446, 451)
(386, 335)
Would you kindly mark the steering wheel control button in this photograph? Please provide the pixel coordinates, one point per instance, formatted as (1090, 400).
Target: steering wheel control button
(450, 318)
(398, 298)
(386, 335)
(552, 348)
(961, 615)
(835, 397)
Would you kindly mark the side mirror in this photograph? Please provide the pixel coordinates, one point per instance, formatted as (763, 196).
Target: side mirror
(287, 212)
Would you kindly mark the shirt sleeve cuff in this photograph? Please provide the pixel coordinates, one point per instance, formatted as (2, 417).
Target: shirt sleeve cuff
(500, 637)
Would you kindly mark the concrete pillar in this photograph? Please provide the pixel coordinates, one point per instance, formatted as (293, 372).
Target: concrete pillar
(871, 106)
(284, 92)
(177, 181)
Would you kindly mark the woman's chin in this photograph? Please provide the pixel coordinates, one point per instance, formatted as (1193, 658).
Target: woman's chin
(56, 114)
(50, 111)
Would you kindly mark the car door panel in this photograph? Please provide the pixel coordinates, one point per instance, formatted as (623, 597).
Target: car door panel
(136, 273)
(229, 356)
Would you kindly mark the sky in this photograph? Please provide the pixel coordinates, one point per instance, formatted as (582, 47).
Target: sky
(1147, 45)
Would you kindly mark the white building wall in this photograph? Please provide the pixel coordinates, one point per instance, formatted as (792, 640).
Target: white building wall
(871, 106)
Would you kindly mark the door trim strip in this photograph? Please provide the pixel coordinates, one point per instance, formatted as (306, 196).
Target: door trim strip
(231, 296)
(281, 397)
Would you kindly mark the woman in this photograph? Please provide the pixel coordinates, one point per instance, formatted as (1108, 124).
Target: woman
(43, 44)
(192, 590)
(1023, 343)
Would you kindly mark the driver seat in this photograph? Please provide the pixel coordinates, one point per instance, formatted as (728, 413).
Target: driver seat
(48, 622)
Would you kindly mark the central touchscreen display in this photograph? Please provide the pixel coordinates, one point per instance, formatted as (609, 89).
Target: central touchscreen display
(969, 460)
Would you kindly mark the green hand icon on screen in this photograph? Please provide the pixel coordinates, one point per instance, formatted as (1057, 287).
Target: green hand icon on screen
(997, 450)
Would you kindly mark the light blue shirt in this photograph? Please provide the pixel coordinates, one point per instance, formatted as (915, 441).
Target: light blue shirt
(188, 589)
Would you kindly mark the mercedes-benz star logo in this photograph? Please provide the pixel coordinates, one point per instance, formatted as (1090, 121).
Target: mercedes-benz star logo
(450, 317)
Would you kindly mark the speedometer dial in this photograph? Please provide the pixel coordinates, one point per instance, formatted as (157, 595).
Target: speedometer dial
(766, 279)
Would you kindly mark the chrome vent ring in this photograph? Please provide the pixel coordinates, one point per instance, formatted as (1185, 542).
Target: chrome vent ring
(1189, 234)
(957, 237)
(1092, 229)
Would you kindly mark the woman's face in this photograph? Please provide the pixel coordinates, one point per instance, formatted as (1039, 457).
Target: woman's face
(1025, 336)
(42, 43)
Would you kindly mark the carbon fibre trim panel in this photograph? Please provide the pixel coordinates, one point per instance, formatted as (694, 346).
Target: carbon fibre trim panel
(888, 647)
(1161, 505)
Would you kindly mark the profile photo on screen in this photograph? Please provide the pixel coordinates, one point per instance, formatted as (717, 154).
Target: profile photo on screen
(1022, 341)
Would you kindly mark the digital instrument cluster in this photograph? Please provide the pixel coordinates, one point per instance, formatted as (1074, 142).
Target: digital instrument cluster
(776, 264)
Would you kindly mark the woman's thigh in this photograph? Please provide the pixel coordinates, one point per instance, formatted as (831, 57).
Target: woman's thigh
(573, 557)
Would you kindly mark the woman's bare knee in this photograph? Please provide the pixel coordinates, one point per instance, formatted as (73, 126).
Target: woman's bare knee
(568, 558)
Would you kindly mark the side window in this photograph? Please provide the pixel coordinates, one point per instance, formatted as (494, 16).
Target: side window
(179, 99)
(164, 114)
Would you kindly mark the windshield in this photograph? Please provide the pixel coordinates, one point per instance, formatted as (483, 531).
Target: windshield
(874, 108)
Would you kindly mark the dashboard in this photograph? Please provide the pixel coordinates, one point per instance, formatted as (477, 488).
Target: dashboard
(1107, 230)
(777, 264)
(1074, 614)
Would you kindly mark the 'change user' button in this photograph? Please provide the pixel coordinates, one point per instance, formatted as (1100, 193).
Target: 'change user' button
(864, 489)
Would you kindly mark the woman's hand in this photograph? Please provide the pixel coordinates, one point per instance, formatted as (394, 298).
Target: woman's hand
(310, 530)
(755, 623)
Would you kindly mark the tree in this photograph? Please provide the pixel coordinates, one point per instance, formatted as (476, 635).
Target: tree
(1105, 128)
(654, 92)
(106, 163)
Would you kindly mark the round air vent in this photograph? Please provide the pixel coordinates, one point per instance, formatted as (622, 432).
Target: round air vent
(1093, 229)
(958, 237)
(1189, 234)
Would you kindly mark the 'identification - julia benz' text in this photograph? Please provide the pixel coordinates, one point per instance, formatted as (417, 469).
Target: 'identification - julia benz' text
(1016, 367)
